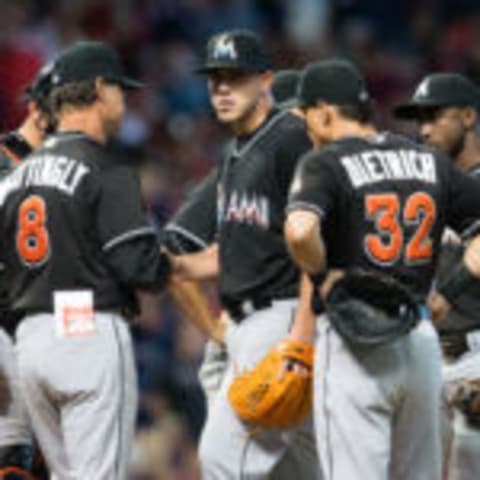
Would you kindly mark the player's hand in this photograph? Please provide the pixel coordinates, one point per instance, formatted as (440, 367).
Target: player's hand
(332, 277)
(439, 307)
(290, 365)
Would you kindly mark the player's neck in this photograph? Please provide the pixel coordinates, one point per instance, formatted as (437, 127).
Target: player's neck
(85, 121)
(254, 119)
(353, 129)
(470, 154)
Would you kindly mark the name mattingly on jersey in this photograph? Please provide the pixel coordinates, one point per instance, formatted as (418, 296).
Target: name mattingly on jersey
(377, 165)
(59, 172)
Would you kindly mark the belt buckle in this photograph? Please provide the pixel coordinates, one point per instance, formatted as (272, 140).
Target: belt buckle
(247, 308)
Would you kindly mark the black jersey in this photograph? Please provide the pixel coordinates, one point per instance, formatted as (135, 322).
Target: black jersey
(384, 202)
(194, 225)
(465, 313)
(252, 193)
(72, 218)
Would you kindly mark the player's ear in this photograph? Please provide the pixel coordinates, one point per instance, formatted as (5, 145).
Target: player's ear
(100, 88)
(267, 80)
(469, 117)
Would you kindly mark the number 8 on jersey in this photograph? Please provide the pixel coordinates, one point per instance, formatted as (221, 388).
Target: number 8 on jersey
(33, 243)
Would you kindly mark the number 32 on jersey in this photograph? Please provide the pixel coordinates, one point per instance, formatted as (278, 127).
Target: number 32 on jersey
(33, 242)
(387, 246)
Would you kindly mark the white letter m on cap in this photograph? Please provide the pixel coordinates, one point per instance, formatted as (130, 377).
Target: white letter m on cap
(423, 89)
(225, 48)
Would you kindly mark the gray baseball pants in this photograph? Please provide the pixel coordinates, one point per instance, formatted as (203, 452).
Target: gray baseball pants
(81, 395)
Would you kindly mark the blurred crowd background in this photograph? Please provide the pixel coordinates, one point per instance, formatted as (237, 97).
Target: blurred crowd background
(170, 133)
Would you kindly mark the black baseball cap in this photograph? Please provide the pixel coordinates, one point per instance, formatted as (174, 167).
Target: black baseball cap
(87, 60)
(235, 50)
(336, 81)
(440, 90)
(284, 87)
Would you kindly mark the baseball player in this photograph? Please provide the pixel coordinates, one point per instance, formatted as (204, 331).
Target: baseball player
(445, 105)
(77, 248)
(15, 433)
(193, 228)
(258, 283)
(377, 202)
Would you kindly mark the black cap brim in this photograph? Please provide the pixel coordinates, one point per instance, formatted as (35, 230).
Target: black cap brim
(130, 83)
(209, 69)
(413, 110)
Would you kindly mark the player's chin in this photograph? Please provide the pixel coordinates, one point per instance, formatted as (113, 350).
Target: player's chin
(227, 116)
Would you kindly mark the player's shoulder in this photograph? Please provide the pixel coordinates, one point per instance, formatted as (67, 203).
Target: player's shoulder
(290, 126)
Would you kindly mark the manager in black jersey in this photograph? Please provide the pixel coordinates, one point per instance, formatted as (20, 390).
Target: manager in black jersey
(379, 202)
(15, 432)
(446, 108)
(258, 283)
(77, 248)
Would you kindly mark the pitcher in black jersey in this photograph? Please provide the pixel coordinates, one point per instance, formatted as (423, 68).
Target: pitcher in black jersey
(257, 281)
(15, 432)
(77, 247)
(446, 108)
(380, 202)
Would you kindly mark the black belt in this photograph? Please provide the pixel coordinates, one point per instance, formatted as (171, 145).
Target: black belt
(239, 309)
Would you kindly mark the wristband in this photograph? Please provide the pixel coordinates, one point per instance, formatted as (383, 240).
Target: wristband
(456, 282)
(317, 278)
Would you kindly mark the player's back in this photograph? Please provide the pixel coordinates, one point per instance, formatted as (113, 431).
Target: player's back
(385, 202)
(51, 230)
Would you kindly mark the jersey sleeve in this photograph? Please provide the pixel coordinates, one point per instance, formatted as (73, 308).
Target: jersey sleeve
(314, 186)
(130, 244)
(194, 225)
(292, 146)
(463, 200)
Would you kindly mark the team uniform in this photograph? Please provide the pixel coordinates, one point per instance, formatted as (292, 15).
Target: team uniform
(14, 425)
(383, 203)
(76, 246)
(258, 285)
(460, 340)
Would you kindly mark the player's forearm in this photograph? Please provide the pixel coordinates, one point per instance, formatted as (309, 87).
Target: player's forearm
(193, 303)
(302, 234)
(304, 321)
(203, 265)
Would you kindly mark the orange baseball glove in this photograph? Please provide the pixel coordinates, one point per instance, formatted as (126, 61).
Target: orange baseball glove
(265, 397)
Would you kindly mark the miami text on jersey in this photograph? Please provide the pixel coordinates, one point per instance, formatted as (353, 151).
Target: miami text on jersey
(244, 208)
(377, 165)
(53, 171)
